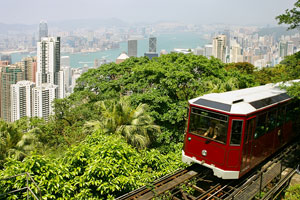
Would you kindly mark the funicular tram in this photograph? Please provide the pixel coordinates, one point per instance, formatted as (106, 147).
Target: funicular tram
(234, 131)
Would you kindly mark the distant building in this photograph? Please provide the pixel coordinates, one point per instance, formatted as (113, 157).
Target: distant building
(282, 49)
(199, 51)
(21, 100)
(184, 51)
(290, 48)
(6, 58)
(67, 78)
(208, 50)
(76, 73)
(4, 63)
(29, 67)
(65, 61)
(219, 47)
(152, 44)
(9, 75)
(236, 53)
(43, 96)
(122, 57)
(43, 30)
(163, 52)
(48, 60)
(151, 55)
(61, 87)
(132, 48)
(50, 80)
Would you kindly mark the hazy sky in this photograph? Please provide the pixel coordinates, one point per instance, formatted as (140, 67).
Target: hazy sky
(188, 11)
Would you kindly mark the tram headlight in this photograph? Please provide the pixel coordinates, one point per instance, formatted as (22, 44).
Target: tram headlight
(204, 152)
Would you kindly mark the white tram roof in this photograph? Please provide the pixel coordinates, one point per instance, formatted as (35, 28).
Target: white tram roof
(244, 101)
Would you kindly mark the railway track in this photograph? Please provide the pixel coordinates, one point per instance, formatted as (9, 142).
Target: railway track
(197, 182)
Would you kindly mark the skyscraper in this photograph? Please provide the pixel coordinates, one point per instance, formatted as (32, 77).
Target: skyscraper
(152, 44)
(132, 48)
(48, 60)
(21, 100)
(152, 48)
(43, 30)
(9, 75)
(43, 97)
(219, 47)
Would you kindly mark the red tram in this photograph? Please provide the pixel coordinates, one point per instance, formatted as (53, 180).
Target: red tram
(234, 131)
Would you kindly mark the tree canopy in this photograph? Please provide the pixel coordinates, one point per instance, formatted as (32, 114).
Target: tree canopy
(291, 17)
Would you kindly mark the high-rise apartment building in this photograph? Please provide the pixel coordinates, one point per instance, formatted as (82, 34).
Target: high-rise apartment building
(29, 67)
(219, 47)
(152, 44)
(43, 97)
(9, 75)
(21, 100)
(49, 78)
(132, 48)
(48, 60)
(43, 30)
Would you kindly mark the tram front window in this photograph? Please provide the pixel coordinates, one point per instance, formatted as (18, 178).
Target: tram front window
(208, 124)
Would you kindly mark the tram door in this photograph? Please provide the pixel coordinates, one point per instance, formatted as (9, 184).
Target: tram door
(247, 146)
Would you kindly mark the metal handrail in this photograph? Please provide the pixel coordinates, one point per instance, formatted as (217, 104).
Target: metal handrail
(27, 188)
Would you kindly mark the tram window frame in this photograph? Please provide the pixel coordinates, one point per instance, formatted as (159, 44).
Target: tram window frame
(240, 134)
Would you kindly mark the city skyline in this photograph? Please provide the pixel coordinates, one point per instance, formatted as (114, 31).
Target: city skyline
(133, 11)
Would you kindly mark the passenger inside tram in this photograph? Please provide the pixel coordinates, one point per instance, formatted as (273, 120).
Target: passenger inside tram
(214, 130)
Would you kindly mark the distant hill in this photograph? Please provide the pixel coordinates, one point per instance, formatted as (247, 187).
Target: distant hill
(87, 23)
(7, 28)
(276, 31)
(64, 25)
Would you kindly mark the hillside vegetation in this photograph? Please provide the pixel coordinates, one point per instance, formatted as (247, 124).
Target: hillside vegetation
(123, 126)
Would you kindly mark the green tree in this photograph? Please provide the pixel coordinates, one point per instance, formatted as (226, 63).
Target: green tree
(119, 117)
(243, 67)
(291, 17)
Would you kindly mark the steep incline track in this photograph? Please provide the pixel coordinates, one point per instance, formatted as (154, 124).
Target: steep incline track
(197, 182)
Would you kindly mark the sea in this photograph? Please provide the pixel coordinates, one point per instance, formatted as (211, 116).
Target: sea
(184, 40)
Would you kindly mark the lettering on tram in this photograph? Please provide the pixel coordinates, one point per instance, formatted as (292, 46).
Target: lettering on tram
(209, 125)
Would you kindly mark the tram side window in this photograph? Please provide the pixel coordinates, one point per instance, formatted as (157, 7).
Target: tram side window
(290, 112)
(281, 115)
(261, 126)
(272, 119)
(236, 132)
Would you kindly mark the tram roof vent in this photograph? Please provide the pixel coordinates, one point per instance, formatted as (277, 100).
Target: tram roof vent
(237, 101)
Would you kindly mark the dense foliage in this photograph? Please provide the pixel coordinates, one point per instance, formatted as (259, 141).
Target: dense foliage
(101, 167)
(123, 126)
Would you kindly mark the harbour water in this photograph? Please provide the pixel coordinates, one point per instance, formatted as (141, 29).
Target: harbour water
(164, 41)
